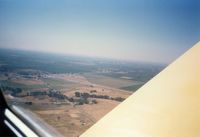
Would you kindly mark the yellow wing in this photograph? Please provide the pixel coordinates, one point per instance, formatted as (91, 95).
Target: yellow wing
(167, 106)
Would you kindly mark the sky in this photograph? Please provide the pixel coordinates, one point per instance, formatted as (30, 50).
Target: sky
(135, 30)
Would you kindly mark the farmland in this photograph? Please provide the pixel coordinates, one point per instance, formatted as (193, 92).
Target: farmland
(70, 93)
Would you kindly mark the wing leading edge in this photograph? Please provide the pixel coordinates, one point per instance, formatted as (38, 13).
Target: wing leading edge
(166, 106)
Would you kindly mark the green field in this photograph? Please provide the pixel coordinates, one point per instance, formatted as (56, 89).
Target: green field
(109, 81)
(55, 83)
(52, 83)
(22, 86)
(133, 87)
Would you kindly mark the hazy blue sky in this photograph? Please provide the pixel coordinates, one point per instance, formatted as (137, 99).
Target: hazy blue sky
(143, 30)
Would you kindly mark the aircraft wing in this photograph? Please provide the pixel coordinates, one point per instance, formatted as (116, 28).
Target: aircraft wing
(167, 106)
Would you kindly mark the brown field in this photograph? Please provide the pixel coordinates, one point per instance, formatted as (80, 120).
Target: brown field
(72, 121)
(28, 82)
(73, 78)
(69, 119)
